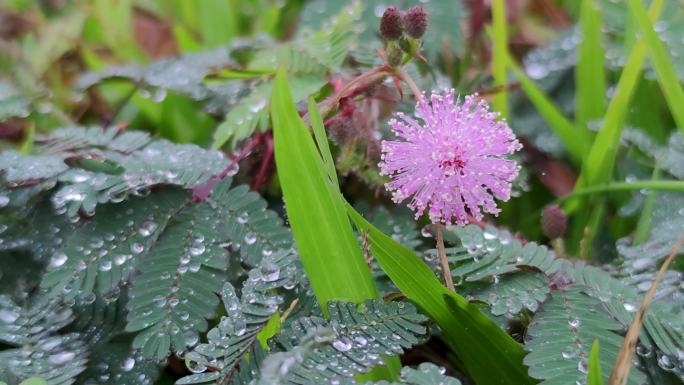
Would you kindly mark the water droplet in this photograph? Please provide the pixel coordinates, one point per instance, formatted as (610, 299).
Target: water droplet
(270, 272)
(250, 238)
(665, 363)
(128, 364)
(343, 344)
(643, 351)
(629, 307)
(137, 248)
(106, 266)
(195, 366)
(120, 259)
(574, 322)
(582, 365)
(147, 228)
(58, 259)
(61, 358)
(197, 249)
(8, 316)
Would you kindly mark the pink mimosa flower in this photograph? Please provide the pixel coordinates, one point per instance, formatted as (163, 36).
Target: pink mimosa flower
(451, 160)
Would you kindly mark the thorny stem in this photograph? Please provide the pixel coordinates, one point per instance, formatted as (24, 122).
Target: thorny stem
(374, 75)
(443, 262)
(203, 191)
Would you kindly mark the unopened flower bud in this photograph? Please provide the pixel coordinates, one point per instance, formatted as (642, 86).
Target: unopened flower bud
(391, 27)
(415, 21)
(341, 130)
(554, 221)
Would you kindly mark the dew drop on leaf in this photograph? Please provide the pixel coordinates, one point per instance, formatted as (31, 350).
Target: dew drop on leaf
(343, 344)
(58, 259)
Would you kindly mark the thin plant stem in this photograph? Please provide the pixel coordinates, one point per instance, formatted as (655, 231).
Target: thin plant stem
(412, 85)
(443, 262)
(371, 77)
(558, 247)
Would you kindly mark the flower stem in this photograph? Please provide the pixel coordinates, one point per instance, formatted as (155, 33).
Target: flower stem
(370, 77)
(412, 85)
(558, 247)
(443, 262)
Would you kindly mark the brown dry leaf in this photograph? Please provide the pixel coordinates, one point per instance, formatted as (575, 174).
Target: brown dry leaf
(153, 35)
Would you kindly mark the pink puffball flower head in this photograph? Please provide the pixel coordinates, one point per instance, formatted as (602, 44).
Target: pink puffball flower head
(453, 163)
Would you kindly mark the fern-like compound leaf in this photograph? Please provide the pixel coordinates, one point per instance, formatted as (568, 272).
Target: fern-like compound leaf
(38, 350)
(104, 252)
(175, 292)
(353, 341)
(560, 337)
(237, 331)
(251, 228)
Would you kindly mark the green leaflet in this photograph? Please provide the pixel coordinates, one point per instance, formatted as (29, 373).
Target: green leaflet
(489, 355)
(594, 373)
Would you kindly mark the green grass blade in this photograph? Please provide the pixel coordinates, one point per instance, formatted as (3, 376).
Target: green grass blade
(598, 166)
(590, 73)
(328, 248)
(643, 229)
(322, 141)
(499, 49)
(667, 76)
(218, 23)
(594, 369)
(489, 355)
(573, 140)
(659, 185)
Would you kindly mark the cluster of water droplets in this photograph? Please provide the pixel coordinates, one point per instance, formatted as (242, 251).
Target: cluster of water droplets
(426, 373)
(246, 316)
(17, 167)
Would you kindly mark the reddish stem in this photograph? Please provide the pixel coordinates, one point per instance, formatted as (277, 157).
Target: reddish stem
(265, 163)
(203, 191)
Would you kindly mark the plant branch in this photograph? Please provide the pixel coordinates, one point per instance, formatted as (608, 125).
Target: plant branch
(369, 77)
(261, 177)
(412, 85)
